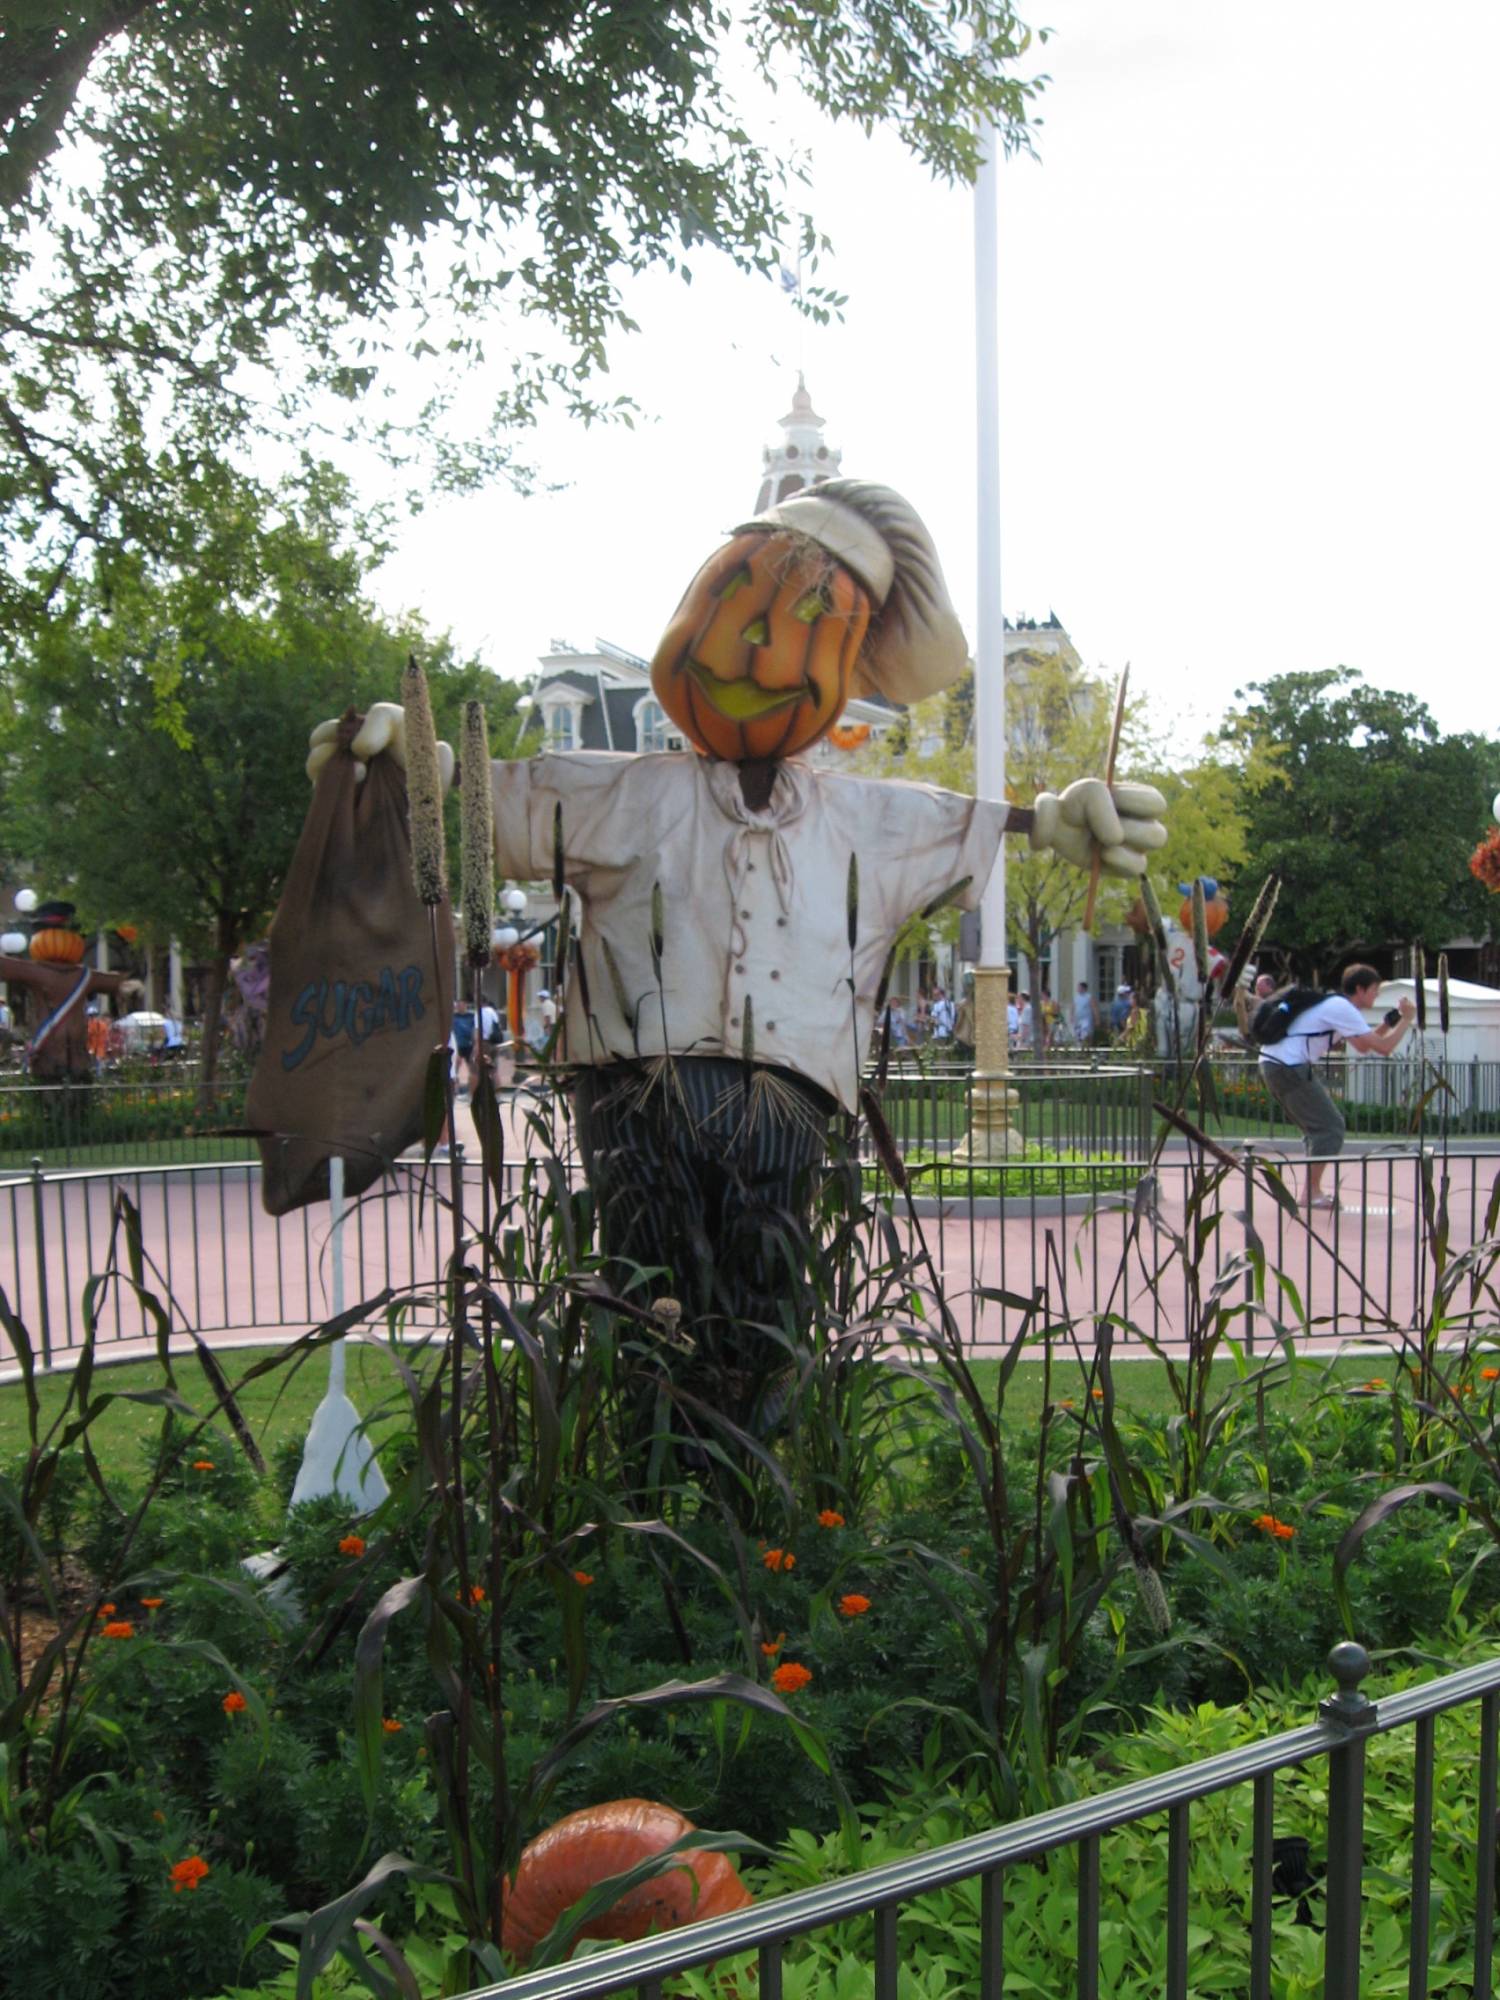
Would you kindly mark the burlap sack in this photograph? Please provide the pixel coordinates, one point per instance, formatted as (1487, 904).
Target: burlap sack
(359, 1000)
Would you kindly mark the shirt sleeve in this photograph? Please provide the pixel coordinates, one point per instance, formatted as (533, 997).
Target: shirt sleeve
(598, 827)
(1342, 1018)
(929, 841)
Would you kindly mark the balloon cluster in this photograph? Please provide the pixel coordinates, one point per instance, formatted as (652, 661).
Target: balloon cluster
(1215, 905)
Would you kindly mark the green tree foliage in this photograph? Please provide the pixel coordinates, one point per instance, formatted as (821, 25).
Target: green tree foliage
(1057, 718)
(213, 210)
(1366, 811)
(151, 754)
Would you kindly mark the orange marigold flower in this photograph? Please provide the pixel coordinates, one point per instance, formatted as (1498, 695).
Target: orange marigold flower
(779, 1559)
(106, 1611)
(830, 1518)
(391, 1726)
(1489, 1374)
(158, 1814)
(1376, 1382)
(852, 1605)
(234, 1703)
(1283, 1531)
(153, 1603)
(120, 1628)
(203, 1465)
(582, 1578)
(476, 1594)
(352, 1545)
(1097, 1394)
(1066, 1403)
(791, 1676)
(1269, 1525)
(188, 1874)
(771, 1647)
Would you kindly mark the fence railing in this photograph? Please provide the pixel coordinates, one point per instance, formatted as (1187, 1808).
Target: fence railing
(1112, 1244)
(1092, 1104)
(1346, 1722)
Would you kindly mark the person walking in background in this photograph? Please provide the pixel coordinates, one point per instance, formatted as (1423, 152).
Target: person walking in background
(1025, 1023)
(1289, 1070)
(1083, 1014)
(1120, 1009)
(942, 1016)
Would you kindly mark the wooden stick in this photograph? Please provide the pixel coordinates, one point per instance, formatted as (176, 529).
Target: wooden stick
(1109, 777)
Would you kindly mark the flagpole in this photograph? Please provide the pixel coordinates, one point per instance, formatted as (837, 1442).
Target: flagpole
(989, 1112)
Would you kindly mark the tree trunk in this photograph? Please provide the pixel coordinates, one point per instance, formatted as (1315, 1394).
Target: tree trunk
(226, 942)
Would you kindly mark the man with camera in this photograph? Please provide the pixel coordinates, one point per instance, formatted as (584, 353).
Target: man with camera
(1289, 1067)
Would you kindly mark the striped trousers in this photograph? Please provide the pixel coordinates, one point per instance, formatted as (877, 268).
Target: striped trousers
(707, 1175)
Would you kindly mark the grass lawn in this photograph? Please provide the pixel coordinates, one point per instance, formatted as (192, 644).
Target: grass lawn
(279, 1404)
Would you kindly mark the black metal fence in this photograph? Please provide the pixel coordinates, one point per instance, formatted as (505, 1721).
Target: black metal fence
(871, 1903)
(1094, 1107)
(1091, 1238)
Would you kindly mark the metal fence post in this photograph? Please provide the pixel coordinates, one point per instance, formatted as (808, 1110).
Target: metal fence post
(39, 1236)
(1351, 1717)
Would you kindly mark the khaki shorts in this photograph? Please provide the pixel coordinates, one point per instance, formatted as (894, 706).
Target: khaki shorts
(1303, 1096)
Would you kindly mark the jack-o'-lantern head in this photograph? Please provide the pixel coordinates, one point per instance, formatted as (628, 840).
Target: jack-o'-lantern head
(835, 592)
(759, 659)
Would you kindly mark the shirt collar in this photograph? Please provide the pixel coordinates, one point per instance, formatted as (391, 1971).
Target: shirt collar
(789, 793)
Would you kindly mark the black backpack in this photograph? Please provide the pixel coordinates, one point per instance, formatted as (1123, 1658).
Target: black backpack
(1276, 1013)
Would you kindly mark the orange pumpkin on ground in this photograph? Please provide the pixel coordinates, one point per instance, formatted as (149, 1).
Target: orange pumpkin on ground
(758, 659)
(588, 1847)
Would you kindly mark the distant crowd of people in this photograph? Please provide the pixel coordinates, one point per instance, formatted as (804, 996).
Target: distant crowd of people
(936, 1022)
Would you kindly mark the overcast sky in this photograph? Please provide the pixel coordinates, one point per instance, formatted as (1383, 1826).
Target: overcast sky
(1250, 415)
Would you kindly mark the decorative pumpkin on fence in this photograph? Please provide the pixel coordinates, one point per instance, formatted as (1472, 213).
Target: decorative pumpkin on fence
(588, 1847)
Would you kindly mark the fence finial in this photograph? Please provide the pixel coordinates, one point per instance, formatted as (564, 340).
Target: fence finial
(1348, 1709)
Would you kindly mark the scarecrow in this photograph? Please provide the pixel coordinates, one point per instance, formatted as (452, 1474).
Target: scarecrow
(53, 969)
(737, 907)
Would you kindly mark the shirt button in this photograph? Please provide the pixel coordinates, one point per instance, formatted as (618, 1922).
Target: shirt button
(734, 1020)
(739, 966)
(746, 915)
(781, 923)
(775, 975)
(770, 1027)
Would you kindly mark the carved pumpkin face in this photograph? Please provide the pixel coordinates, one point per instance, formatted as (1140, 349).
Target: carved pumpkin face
(756, 663)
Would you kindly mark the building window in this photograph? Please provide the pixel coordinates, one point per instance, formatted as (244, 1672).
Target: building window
(652, 729)
(562, 727)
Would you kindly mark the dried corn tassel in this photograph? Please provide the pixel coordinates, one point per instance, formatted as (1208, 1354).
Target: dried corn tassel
(477, 844)
(424, 788)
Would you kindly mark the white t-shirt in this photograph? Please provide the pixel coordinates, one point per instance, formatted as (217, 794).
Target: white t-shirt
(1315, 1030)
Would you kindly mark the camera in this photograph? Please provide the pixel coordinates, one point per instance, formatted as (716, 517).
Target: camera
(1392, 1016)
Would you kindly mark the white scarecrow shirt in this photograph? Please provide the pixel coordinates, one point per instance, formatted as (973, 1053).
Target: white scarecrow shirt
(754, 903)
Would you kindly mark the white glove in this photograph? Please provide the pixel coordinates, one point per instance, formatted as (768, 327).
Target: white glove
(384, 728)
(1122, 824)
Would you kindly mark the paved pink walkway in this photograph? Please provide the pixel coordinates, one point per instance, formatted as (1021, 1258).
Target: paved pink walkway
(230, 1270)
